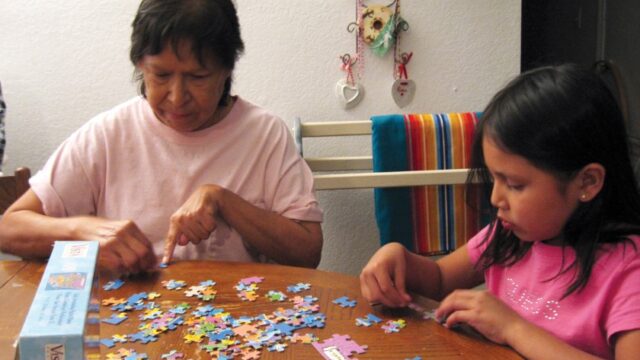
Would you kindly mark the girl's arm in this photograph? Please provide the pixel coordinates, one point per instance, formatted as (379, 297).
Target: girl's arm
(393, 270)
(626, 345)
(497, 322)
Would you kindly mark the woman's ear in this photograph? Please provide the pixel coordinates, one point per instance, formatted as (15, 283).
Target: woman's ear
(590, 181)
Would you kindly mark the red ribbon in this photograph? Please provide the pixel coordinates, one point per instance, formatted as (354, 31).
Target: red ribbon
(402, 66)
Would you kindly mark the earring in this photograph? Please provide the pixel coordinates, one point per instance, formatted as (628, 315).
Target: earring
(583, 197)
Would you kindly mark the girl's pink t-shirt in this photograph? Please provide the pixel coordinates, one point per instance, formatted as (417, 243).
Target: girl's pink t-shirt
(126, 164)
(588, 319)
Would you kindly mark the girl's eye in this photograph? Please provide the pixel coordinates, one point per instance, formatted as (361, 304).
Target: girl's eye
(516, 187)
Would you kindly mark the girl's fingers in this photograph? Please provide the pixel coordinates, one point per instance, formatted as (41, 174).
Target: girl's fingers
(457, 300)
(399, 279)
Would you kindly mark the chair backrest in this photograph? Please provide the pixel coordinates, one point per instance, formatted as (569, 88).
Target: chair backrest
(347, 166)
(409, 209)
(13, 186)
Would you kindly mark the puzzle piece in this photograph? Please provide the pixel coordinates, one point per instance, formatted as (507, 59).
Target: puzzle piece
(345, 302)
(341, 344)
(207, 283)
(305, 339)
(251, 280)
(113, 285)
(394, 326)
(368, 321)
(298, 287)
(273, 295)
(107, 342)
(115, 319)
(126, 354)
(172, 355)
(112, 301)
(279, 347)
(174, 284)
(119, 338)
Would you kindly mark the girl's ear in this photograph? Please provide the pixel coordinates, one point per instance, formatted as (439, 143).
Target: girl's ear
(590, 181)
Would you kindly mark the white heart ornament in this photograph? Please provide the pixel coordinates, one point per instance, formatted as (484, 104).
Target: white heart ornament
(403, 91)
(349, 95)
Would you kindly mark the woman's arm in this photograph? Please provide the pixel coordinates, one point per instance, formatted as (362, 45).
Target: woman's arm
(281, 239)
(26, 232)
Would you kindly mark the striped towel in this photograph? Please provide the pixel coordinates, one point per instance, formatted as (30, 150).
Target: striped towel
(426, 219)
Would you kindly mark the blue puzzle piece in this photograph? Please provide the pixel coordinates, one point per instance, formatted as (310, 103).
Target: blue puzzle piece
(345, 302)
(113, 285)
(108, 343)
(115, 319)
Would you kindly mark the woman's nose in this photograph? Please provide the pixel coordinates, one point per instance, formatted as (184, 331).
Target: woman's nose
(178, 92)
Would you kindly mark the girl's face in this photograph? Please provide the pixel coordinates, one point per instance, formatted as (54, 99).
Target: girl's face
(531, 202)
(183, 93)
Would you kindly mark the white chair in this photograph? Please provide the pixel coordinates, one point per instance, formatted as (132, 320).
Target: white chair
(349, 164)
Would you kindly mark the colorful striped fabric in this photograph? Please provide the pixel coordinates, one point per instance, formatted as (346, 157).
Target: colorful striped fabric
(426, 219)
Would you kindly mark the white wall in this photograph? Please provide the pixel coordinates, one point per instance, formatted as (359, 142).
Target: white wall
(61, 62)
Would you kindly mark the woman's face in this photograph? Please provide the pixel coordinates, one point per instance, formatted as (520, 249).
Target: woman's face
(183, 93)
(531, 202)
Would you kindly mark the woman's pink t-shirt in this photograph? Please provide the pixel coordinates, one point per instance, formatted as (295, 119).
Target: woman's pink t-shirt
(126, 164)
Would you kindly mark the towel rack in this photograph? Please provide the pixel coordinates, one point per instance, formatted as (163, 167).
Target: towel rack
(361, 180)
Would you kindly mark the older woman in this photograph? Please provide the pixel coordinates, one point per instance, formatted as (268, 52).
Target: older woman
(185, 170)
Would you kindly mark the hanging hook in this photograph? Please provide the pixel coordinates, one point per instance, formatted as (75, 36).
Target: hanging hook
(402, 25)
(353, 26)
(405, 57)
(347, 60)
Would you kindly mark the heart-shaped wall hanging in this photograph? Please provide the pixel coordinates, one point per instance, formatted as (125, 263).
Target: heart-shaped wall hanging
(349, 95)
(403, 91)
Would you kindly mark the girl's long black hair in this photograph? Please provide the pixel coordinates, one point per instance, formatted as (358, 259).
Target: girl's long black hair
(560, 119)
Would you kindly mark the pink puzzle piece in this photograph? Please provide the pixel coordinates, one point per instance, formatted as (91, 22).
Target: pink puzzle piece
(341, 344)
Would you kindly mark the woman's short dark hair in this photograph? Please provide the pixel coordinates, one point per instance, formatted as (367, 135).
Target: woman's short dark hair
(561, 118)
(211, 26)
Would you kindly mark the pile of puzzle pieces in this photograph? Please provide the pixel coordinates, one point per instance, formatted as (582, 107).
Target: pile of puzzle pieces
(224, 336)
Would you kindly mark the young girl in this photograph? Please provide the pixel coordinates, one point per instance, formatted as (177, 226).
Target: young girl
(560, 258)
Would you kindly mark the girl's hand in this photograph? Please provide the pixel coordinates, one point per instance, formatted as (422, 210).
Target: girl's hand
(194, 221)
(383, 279)
(482, 311)
(124, 249)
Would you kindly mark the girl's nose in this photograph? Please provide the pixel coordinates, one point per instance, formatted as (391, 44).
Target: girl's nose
(497, 199)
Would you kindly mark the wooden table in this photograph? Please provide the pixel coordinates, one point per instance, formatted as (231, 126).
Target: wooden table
(425, 338)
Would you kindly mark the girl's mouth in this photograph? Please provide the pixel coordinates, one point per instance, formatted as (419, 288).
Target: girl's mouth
(506, 225)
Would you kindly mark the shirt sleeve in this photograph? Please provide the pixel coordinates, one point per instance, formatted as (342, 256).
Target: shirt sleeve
(64, 185)
(624, 314)
(291, 181)
(476, 246)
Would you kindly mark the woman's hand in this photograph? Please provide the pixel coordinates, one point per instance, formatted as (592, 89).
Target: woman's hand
(194, 221)
(124, 249)
(482, 311)
(383, 279)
